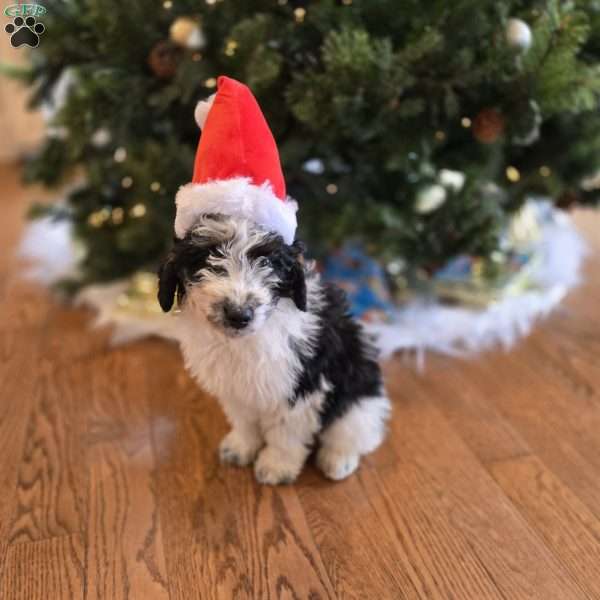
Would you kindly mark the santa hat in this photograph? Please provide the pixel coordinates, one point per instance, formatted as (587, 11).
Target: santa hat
(237, 170)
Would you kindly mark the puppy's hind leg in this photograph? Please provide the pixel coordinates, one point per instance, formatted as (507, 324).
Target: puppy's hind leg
(359, 431)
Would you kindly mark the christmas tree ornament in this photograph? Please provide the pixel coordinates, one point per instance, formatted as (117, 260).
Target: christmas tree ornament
(164, 59)
(237, 170)
(430, 198)
(518, 34)
(187, 32)
(488, 126)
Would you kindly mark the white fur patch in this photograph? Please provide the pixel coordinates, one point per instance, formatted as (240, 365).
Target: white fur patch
(237, 197)
(361, 430)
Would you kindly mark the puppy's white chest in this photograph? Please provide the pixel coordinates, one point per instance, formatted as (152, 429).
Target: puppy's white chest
(257, 371)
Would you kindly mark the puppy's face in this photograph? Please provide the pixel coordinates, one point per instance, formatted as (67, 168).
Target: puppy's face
(232, 274)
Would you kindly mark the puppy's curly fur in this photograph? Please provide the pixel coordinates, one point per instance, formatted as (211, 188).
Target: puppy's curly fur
(277, 347)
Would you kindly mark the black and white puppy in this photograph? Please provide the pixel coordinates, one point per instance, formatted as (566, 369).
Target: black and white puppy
(277, 347)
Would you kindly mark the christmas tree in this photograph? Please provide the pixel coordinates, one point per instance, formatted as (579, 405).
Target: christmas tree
(416, 128)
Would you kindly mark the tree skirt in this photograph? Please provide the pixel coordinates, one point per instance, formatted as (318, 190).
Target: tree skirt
(130, 306)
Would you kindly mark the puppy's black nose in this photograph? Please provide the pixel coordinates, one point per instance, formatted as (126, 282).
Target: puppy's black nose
(237, 317)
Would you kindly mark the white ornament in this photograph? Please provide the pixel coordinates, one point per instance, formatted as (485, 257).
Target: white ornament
(314, 166)
(453, 180)
(430, 198)
(518, 34)
(101, 137)
(187, 33)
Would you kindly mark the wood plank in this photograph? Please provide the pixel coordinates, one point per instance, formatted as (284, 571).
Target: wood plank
(123, 533)
(559, 427)
(480, 424)
(49, 569)
(567, 526)
(51, 471)
(225, 536)
(362, 558)
(438, 475)
(18, 362)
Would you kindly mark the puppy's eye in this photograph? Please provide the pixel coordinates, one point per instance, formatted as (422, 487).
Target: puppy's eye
(263, 261)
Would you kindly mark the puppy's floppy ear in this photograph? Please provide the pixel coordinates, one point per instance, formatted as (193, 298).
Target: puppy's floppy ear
(168, 280)
(298, 281)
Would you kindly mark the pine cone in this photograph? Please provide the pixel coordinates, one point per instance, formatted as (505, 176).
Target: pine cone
(488, 126)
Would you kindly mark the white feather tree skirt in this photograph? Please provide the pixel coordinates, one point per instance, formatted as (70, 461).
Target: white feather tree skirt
(420, 325)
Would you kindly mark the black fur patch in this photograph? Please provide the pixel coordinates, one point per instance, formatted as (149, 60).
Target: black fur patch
(341, 355)
(191, 253)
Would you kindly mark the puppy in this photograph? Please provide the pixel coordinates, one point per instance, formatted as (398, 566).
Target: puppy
(277, 347)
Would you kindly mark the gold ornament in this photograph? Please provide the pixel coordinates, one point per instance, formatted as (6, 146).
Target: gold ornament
(186, 32)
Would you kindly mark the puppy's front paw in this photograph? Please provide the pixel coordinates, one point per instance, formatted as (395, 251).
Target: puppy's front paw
(273, 468)
(336, 466)
(235, 449)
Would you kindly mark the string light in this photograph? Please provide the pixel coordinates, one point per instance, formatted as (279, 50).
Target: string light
(282, 2)
(117, 215)
(299, 14)
(440, 136)
(138, 210)
(127, 182)
(346, 2)
(231, 47)
(512, 174)
(331, 188)
(211, 82)
(99, 217)
(120, 155)
(196, 57)
(168, 4)
(545, 171)
(211, 2)
(155, 186)
(465, 122)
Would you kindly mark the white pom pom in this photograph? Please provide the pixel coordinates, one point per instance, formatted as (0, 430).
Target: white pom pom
(201, 110)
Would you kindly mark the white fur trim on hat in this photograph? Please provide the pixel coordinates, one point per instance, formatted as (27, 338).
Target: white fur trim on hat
(201, 110)
(237, 197)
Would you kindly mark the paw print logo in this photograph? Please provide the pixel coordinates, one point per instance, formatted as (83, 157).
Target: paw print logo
(24, 32)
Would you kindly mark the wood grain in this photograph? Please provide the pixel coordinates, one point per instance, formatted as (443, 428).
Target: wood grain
(123, 534)
(567, 526)
(50, 470)
(49, 569)
(488, 486)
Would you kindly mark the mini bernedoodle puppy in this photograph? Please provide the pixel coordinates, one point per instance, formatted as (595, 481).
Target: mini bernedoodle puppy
(277, 347)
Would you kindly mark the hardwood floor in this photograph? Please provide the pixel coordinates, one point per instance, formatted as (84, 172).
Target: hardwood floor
(488, 485)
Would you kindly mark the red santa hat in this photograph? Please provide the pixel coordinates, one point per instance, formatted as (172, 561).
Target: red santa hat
(237, 170)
